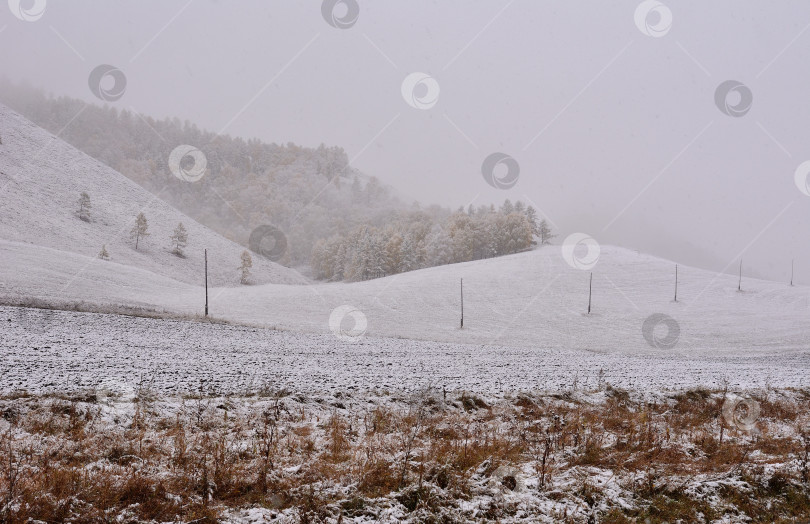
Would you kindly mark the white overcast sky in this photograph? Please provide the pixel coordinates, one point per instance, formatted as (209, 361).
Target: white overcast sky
(616, 132)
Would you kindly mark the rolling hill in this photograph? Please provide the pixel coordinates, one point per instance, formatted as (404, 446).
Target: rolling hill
(41, 178)
(532, 299)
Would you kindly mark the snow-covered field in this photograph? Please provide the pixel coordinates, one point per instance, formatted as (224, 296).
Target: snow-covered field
(66, 351)
(525, 321)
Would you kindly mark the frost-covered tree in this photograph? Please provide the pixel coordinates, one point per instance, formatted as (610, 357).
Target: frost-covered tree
(320, 260)
(357, 190)
(393, 252)
(365, 254)
(437, 248)
(140, 229)
(531, 215)
(84, 206)
(515, 232)
(179, 240)
(461, 231)
(247, 263)
(507, 207)
(414, 251)
(103, 255)
(545, 232)
(328, 258)
(415, 240)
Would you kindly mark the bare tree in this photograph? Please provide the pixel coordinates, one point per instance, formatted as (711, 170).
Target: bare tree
(140, 229)
(179, 240)
(104, 255)
(247, 263)
(84, 206)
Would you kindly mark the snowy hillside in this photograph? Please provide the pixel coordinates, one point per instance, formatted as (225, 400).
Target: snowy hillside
(533, 300)
(41, 179)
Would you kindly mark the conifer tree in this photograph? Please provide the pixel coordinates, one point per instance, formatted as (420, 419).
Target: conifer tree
(141, 229)
(84, 206)
(545, 232)
(179, 240)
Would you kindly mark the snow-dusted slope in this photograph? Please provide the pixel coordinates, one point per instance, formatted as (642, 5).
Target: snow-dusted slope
(41, 178)
(536, 299)
(533, 300)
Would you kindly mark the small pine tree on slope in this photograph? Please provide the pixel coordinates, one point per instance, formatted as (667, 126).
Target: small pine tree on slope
(141, 229)
(179, 240)
(545, 233)
(84, 206)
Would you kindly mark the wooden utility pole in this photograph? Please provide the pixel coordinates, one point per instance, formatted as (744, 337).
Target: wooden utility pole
(739, 284)
(462, 303)
(206, 282)
(590, 291)
(676, 282)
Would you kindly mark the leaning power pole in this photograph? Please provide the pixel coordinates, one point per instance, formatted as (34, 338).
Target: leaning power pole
(590, 290)
(462, 303)
(206, 282)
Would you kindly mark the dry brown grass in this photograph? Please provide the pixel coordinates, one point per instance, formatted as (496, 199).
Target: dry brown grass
(64, 457)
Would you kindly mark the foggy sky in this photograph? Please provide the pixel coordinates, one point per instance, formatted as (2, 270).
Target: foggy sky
(616, 132)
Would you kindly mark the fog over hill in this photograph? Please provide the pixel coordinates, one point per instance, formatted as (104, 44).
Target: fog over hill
(616, 128)
(336, 222)
(42, 179)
